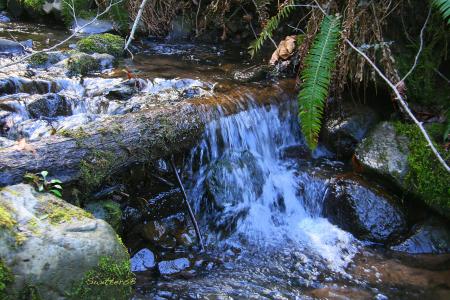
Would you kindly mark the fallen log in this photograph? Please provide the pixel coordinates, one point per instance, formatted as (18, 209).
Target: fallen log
(96, 150)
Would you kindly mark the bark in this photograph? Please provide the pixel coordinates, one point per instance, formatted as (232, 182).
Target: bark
(117, 143)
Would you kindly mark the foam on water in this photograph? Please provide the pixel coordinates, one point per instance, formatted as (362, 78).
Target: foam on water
(289, 207)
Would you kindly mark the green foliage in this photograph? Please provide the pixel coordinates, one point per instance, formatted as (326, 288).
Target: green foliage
(316, 78)
(81, 7)
(102, 43)
(444, 8)
(34, 6)
(426, 176)
(40, 182)
(6, 278)
(272, 24)
(111, 279)
(120, 17)
(38, 59)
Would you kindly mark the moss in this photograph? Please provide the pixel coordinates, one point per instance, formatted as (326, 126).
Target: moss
(6, 278)
(102, 43)
(82, 64)
(39, 59)
(111, 279)
(34, 6)
(74, 134)
(6, 219)
(97, 169)
(426, 177)
(109, 211)
(58, 211)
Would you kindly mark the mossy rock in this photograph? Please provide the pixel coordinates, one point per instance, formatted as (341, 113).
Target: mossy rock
(6, 278)
(109, 211)
(82, 64)
(399, 153)
(102, 43)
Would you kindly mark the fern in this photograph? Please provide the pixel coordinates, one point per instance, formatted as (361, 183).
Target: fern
(316, 78)
(271, 26)
(444, 8)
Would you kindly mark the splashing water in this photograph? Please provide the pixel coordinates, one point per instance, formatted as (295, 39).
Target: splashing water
(270, 201)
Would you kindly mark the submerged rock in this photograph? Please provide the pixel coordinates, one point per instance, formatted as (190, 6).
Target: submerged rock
(252, 74)
(364, 211)
(51, 245)
(8, 47)
(342, 134)
(170, 267)
(143, 260)
(432, 236)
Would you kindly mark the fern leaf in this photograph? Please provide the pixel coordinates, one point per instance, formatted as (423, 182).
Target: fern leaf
(271, 26)
(444, 7)
(316, 78)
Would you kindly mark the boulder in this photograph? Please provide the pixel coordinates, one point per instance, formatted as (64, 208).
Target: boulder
(342, 134)
(431, 236)
(365, 211)
(102, 43)
(8, 47)
(49, 105)
(398, 153)
(81, 64)
(385, 153)
(97, 27)
(58, 249)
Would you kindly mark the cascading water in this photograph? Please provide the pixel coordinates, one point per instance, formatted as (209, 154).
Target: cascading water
(261, 210)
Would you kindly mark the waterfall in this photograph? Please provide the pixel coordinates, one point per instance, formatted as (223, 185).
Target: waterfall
(245, 187)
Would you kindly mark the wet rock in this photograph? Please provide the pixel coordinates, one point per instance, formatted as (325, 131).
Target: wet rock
(252, 74)
(106, 61)
(364, 211)
(166, 232)
(385, 153)
(82, 64)
(3, 17)
(153, 231)
(49, 105)
(225, 187)
(96, 27)
(4, 142)
(15, 85)
(108, 211)
(46, 59)
(343, 134)
(8, 47)
(432, 236)
(142, 261)
(51, 245)
(171, 267)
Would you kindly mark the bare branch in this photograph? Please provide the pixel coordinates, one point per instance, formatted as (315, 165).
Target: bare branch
(135, 24)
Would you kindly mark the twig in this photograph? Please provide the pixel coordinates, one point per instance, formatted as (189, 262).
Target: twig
(75, 32)
(191, 214)
(163, 180)
(135, 24)
(416, 60)
(399, 97)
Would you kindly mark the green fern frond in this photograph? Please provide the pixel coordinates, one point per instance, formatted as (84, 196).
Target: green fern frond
(444, 8)
(271, 26)
(316, 78)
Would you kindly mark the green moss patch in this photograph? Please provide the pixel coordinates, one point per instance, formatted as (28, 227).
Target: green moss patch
(102, 43)
(111, 279)
(82, 64)
(6, 278)
(6, 220)
(426, 176)
(60, 212)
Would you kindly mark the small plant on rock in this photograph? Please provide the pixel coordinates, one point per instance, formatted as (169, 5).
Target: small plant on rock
(40, 182)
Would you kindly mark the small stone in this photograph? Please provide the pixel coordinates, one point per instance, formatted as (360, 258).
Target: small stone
(143, 261)
(170, 267)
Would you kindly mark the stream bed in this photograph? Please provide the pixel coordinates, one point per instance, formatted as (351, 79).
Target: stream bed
(257, 192)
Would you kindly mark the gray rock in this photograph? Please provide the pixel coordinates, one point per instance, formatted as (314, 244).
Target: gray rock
(8, 47)
(384, 153)
(106, 61)
(143, 260)
(432, 236)
(4, 142)
(97, 27)
(49, 105)
(342, 134)
(58, 242)
(170, 267)
(365, 211)
(16, 85)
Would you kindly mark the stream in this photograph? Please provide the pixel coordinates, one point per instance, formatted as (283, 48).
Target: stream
(257, 191)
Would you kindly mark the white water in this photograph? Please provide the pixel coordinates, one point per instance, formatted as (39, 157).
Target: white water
(288, 211)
